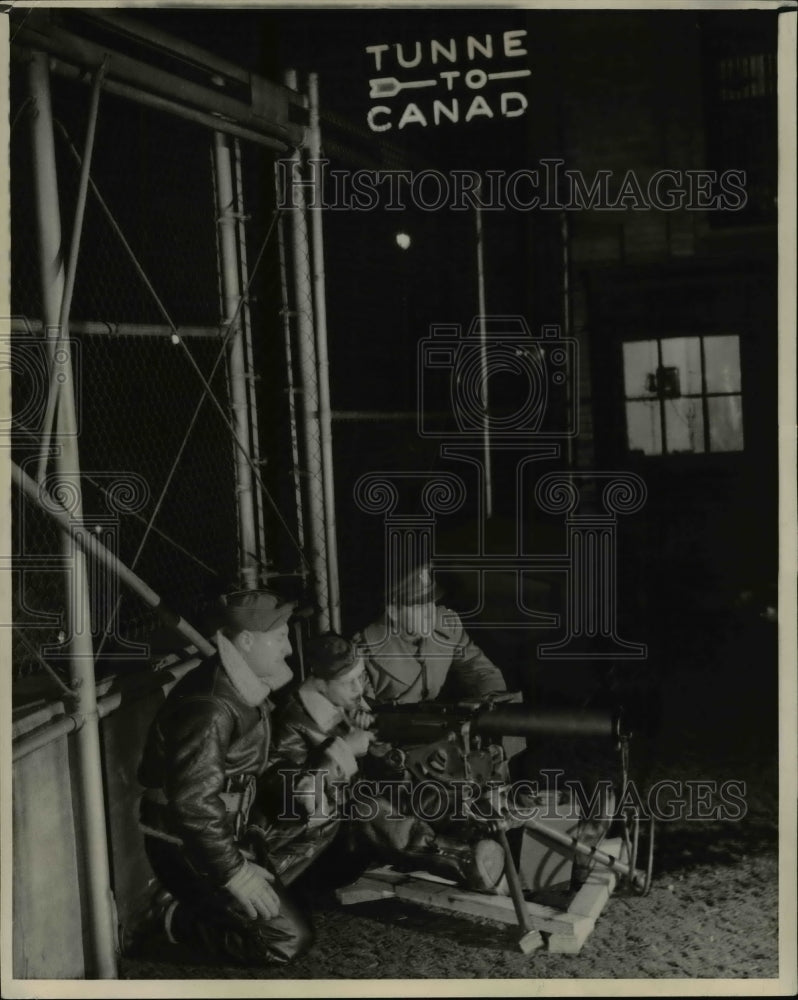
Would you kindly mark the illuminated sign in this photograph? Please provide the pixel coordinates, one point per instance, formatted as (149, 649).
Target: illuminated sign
(457, 81)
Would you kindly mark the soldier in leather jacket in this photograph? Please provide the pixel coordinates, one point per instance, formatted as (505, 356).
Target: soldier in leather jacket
(205, 749)
(419, 647)
(320, 731)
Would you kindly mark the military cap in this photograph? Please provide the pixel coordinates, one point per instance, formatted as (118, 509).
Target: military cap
(328, 655)
(254, 610)
(415, 587)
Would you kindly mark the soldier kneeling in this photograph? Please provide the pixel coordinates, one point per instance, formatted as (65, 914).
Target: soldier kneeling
(225, 895)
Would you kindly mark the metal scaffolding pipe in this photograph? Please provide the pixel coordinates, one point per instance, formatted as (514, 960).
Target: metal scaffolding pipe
(323, 367)
(91, 545)
(252, 395)
(71, 273)
(138, 96)
(238, 375)
(92, 831)
(40, 34)
(100, 328)
(309, 377)
(125, 25)
(74, 721)
(289, 367)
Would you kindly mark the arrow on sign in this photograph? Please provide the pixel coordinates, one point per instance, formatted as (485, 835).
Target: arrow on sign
(510, 74)
(389, 86)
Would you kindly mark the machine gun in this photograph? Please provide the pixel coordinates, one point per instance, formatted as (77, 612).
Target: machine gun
(495, 715)
(447, 745)
(463, 740)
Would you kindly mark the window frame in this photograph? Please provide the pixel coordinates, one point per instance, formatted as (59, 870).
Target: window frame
(704, 395)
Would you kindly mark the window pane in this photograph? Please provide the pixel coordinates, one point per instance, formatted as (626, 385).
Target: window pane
(639, 361)
(684, 425)
(725, 423)
(643, 427)
(684, 353)
(722, 357)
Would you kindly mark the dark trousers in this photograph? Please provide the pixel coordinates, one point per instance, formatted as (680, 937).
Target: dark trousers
(209, 920)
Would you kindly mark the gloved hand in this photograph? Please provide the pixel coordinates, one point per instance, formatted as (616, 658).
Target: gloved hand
(358, 740)
(251, 886)
(362, 718)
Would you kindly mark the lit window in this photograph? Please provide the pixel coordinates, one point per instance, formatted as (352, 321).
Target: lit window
(683, 394)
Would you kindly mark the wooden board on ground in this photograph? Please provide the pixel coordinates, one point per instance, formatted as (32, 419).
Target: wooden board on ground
(589, 901)
(567, 930)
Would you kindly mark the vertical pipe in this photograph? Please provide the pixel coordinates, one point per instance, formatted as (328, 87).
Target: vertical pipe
(289, 368)
(220, 294)
(72, 267)
(322, 361)
(307, 363)
(250, 356)
(93, 839)
(225, 207)
(483, 350)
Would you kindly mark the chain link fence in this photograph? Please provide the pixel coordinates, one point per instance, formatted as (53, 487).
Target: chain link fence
(270, 311)
(149, 263)
(156, 453)
(300, 348)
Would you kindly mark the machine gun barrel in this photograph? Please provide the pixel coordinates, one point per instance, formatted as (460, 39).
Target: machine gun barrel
(523, 720)
(424, 722)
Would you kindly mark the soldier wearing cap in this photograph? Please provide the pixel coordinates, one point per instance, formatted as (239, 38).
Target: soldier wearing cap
(418, 646)
(205, 748)
(320, 731)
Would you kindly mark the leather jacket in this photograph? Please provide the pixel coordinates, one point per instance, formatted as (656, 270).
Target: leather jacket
(207, 744)
(310, 764)
(403, 668)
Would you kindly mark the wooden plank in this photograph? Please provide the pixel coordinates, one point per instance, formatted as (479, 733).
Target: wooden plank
(365, 890)
(542, 918)
(591, 899)
(589, 902)
(566, 944)
(386, 873)
(566, 931)
(498, 907)
(429, 877)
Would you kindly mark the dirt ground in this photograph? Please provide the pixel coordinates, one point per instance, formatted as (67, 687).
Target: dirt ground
(712, 909)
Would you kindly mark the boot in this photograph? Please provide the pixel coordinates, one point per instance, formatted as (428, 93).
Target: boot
(477, 865)
(591, 831)
(148, 927)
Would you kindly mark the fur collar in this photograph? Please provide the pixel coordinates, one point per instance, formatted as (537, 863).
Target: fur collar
(324, 714)
(252, 689)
